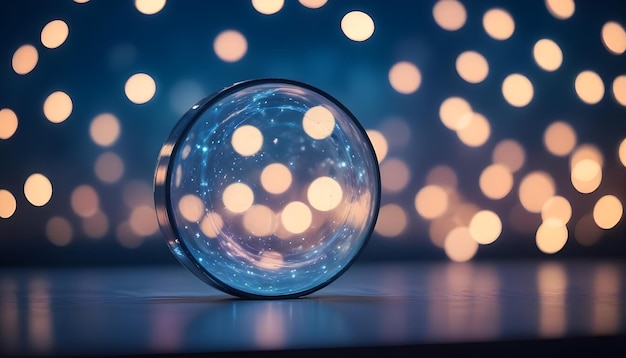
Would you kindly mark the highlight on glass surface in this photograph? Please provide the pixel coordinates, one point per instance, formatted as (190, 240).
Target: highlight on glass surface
(267, 189)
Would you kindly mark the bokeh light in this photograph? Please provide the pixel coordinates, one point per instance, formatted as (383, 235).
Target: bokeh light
(614, 37)
(96, 226)
(268, 7)
(535, 189)
(559, 138)
(498, 24)
(589, 87)
(557, 207)
(379, 142)
(561, 9)
(318, 122)
(57, 107)
(431, 201)
(475, 132)
(260, 220)
(548, 55)
(509, 153)
(38, 189)
(442, 175)
(324, 193)
(191, 207)
(496, 181)
(392, 220)
(607, 212)
(517, 90)
(622, 152)
(313, 4)
(357, 26)
(455, 112)
(459, 245)
(405, 77)
(296, 217)
(54, 34)
(59, 231)
(237, 197)
(109, 167)
(8, 204)
(247, 140)
(211, 225)
(104, 129)
(230, 45)
(276, 178)
(485, 227)
(140, 88)
(149, 7)
(25, 59)
(85, 201)
(551, 236)
(449, 14)
(472, 66)
(394, 175)
(619, 89)
(143, 221)
(8, 123)
(586, 168)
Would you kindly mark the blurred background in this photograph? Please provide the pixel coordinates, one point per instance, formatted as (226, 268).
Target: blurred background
(500, 126)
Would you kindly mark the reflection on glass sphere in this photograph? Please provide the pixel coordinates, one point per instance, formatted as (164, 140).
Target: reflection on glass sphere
(269, 188)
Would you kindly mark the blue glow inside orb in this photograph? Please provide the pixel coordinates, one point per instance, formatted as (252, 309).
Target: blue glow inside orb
(267, 189)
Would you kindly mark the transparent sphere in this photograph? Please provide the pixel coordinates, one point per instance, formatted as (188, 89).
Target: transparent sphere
(269, 188)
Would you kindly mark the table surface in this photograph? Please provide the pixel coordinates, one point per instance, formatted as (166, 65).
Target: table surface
(164, 310)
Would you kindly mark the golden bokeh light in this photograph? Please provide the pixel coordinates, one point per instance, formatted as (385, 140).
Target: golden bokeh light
(509, 153)
(81, 1)
(431, 201)
(54, 34)
(557, 208)
(357, 26)
(496, 181)
(260, 220)
(268, 7)
(485, 227)
(405, 77)
(8, 204)
(587, 232)
(191, 207)
(230, 45)
(57, 107)
(589, 87)
(392, 220)
(149, 7)
(143, 221)
(559, 138)
(475, 132)
(140, 88)
(622, 152)
(96, 226)
(276, 178)
(247, 140)
(212, 224)
(379, 142)
(455, 112)
(109, 167)
(104, 129)
(296, 217)
(498, 24)
(394, 175)
(535, 189)
(619, 89)
(324, 193)
(85, 201)
(313, 4)
(59, 231)
(318, 122)
(586, 168)
(607, 212)
(439, 229)
(517, 90)
(25, 59)
(449, 14)
(38, 189)
(614, 37)
(8, 123)
(548, 55)
(551, 236)
(237, 197)
(472, 66)
(561, 9)
(459, 245)
(442, 175)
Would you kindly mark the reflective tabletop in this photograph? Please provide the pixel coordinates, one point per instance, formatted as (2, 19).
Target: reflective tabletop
(578, 305)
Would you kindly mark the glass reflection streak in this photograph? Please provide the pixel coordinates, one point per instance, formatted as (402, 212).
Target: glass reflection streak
(269, 188)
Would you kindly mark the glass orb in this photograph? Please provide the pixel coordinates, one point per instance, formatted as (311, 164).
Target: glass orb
(267, 189)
